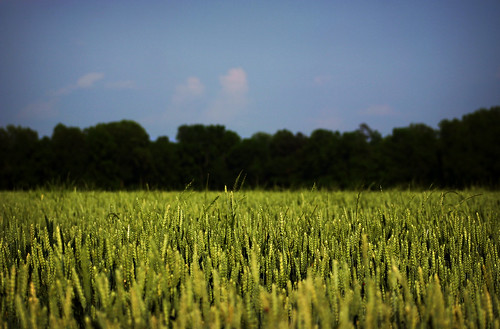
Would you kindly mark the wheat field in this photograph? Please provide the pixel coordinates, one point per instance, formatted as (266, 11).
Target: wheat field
(250, 259)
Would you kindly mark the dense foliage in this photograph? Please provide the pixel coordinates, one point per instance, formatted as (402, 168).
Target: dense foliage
(300, 259)
(120, 155)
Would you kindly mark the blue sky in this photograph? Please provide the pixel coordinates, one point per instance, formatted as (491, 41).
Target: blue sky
(249, 65)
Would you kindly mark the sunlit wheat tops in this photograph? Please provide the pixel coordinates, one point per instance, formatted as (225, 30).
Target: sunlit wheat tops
(249, 259)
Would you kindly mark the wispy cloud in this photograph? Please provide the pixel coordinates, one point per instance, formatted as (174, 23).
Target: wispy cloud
(186, 103)
(40, 110)
(121, 84)
(86, 81)
(89, 79)
(232, 98)
(187, 91)
(47, 108)
(326, 118)
(378, 110)
(321, 80)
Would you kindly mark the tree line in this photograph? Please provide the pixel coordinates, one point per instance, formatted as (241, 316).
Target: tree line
(120, 155)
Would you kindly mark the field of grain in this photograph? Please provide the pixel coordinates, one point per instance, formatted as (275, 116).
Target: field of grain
(252, 259)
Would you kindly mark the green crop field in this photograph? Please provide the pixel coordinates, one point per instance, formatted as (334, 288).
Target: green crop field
(251, 259)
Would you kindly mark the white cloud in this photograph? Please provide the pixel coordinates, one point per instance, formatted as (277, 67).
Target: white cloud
(378, 110)
(189, 102)
(234, 82)
(232, 99)
(191, 89)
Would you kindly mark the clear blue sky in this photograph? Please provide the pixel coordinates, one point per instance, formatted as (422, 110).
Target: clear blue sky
(249, 65)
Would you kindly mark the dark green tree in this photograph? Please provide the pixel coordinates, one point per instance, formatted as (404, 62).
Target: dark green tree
(120, 155)
(251, 157)
(20, 151)
(470, 149)
(354, 160)
(4, 160)
(463, 152)
(411, 156)
(319, 161)
(204, 153)
(70, 156)
(166, 171)
(284, 163)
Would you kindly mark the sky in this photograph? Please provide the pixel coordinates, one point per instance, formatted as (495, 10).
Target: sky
(252, 66)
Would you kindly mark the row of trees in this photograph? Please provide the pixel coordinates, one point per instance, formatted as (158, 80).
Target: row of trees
(120, 155)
